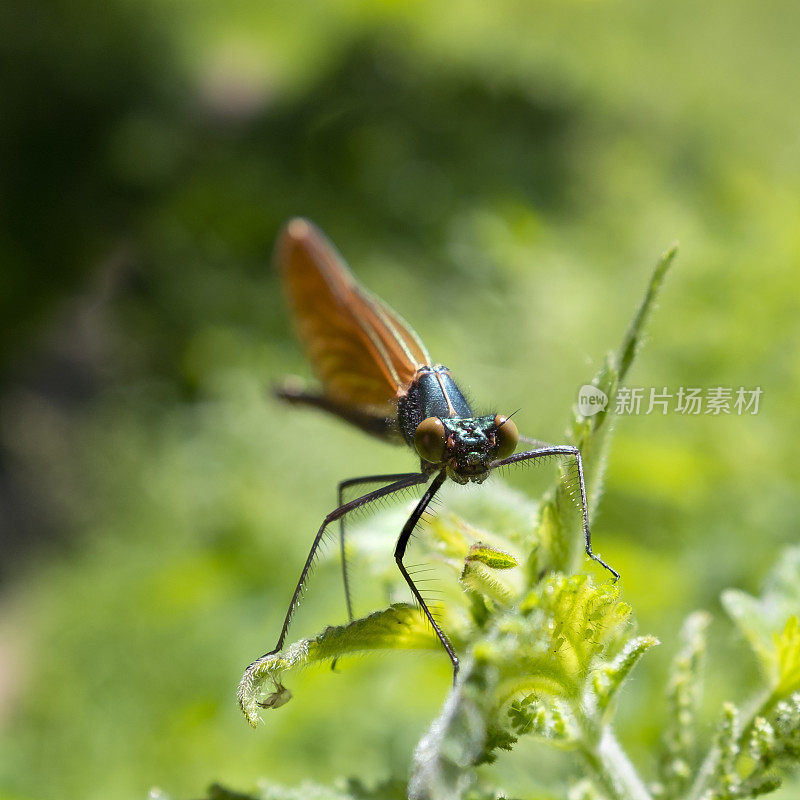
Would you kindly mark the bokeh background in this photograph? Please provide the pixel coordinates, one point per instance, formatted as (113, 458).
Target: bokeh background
(505, 174)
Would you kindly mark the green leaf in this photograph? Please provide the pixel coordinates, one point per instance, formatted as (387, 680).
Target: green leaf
(491, 557)
(787, 653)
(770, 623)
(399, 627)
(608, 679)
(480, 574)
(545, 717)
(559, 529)
(544, 649)
(476, 577)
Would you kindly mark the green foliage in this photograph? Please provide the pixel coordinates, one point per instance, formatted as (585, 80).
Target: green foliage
(559, 510)
(757, 737)
(547, 666)
(398, 627)
(549, 663)
(771, 625)
(545, 656)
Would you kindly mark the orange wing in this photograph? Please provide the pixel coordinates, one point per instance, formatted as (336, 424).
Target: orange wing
(361, 350)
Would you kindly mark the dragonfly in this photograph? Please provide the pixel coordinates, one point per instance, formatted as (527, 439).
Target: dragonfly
(376, 374)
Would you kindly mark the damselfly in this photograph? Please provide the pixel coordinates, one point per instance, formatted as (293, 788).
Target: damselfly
(377, 375)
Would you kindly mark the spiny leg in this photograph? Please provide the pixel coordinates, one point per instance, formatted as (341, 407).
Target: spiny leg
(399, 552)
(343, 552)
(411, 479)
(343, 486)
(563, 450)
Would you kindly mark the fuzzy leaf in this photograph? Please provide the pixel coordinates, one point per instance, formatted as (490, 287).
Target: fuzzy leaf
(491, 557)
(399, 627)
(545, 717)
(476, 577)
(771, 625)
(787, 652)
(558, 526)
(564, 625)
(543, 649)
(481, 574)
(608, 679)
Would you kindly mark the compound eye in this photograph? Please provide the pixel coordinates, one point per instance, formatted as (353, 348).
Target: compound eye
(429, 439)
(506, 436)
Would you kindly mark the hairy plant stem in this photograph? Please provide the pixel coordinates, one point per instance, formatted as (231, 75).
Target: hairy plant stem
(760, 705)
(616, 776)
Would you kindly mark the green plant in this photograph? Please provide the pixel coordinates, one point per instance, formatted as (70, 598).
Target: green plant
(545, 651)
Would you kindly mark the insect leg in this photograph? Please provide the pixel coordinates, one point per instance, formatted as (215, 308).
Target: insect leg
(373, 423)
(343, 486)
(563, 450)
(411, 479)
(399, 552)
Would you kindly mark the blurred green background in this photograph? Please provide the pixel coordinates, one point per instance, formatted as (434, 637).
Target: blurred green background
(505, 174)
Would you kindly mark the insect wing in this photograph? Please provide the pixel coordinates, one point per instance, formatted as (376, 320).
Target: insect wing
(361, 350)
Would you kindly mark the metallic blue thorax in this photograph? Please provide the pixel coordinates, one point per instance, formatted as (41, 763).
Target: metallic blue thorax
(432, 393)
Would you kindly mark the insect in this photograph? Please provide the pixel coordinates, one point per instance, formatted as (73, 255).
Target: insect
(376, 374)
